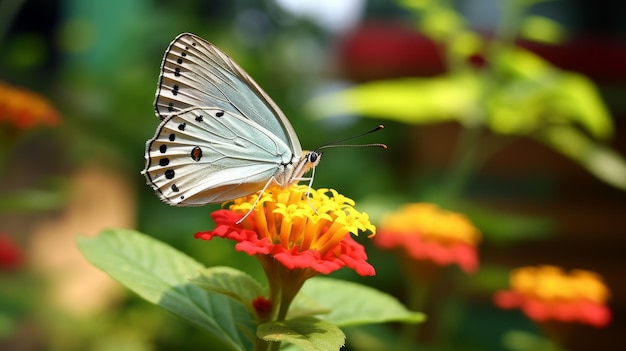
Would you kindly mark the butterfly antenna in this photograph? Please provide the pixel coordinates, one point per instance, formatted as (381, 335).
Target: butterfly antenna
(339, 143)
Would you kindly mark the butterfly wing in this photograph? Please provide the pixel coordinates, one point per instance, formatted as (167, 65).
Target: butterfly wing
(208, 155)
(195, 73)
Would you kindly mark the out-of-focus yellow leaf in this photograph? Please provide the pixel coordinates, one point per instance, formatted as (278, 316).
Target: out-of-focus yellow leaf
(580, 101)
(521, 63)
(600, 160)
(466, 43)
(439, 23)
(517, 107)
(542, 29)
(409, 100)
(532, 94)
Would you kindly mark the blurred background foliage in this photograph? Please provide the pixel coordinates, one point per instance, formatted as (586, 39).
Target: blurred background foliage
(513, 115)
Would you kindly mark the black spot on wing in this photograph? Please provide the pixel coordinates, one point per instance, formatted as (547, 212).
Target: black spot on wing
(196, 153)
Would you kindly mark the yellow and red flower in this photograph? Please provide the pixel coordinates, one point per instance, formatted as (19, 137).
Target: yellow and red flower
(310, 233)
(427, 232)
(23, 109)
(547, 293)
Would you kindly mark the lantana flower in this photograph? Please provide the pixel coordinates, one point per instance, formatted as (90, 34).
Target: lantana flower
(23, 109)
(429, 233)
(547, 293)
(296, 233)
(11, 255)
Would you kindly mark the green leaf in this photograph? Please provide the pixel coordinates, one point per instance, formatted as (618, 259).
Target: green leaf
(354, 304)
(306, 306)
(50, 196)
(440, 23)
(509, 228)
(160, 274)
(518, 63)
(230, 282)
(600, 160)
(310, 334)
(543, 30)
(408, 100)
(519, 340)
(579, 99)
(533, 94)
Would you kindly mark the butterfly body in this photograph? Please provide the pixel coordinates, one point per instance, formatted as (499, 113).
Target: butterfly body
(221, 136)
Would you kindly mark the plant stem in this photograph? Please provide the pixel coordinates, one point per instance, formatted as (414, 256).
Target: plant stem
(420, 277)
(466, 157)
(274, 346)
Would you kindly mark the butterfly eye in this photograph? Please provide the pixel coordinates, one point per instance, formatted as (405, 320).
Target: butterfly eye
(312, 156)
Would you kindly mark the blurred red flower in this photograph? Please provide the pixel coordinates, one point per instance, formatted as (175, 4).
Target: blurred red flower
(427, 232)
(24, 109)
(11, 255)
(546, 293)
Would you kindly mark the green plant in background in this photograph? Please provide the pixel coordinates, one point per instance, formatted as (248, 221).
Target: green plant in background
(491, 84)
(498, 92)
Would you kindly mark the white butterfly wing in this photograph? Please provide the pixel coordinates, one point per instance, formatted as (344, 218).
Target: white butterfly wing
(195, 73)
(208, 155)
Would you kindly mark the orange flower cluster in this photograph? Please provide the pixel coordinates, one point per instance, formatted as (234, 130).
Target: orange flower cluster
(428, 232)
(548, 293)
(24, 109)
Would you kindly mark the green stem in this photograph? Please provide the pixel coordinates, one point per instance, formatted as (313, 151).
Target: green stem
(416, 301)
(464, 164)
(261, 345)
(284, 285)
(274, 346)
(292, 281)
(421, 276)
(467, 156)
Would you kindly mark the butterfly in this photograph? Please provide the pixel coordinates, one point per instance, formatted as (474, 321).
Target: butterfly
(221, 137)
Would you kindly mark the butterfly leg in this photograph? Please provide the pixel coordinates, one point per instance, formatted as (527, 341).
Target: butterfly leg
(257, 200)
(308, 190)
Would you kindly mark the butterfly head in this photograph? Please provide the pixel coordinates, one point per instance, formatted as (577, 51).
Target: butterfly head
(299, 168)
(310, 160)
(313, 158)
